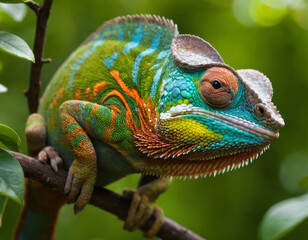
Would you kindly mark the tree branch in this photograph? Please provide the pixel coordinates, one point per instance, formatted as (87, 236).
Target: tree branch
(102, 198)
(42, 13)
(34, 6)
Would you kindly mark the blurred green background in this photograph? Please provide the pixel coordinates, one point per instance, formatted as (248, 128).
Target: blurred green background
(268, 35)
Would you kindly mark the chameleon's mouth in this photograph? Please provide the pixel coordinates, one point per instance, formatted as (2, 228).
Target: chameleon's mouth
(183, 109)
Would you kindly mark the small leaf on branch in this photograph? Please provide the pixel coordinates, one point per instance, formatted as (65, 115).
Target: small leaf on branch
(9, 139)
(284, 216)
(2, 88)
(11, 177)
(15, 1)
(16, 11)
(14, 45)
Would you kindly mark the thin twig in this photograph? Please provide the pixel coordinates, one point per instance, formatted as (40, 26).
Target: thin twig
(102, 198)
(46, 60)
(34, 6)
(33, 93)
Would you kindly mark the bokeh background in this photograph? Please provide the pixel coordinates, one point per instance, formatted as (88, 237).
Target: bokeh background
(268, 35)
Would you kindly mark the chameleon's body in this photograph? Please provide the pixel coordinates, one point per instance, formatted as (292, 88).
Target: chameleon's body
(139, 97)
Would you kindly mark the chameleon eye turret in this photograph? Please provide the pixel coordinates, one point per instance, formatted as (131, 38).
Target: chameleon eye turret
(218, 87)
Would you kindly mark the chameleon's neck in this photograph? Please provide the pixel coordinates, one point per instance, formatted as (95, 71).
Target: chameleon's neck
(39, 215)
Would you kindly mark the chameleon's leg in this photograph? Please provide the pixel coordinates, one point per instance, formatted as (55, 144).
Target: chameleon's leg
(40, 212)
(81, 120)
(36, 134)
(142, 204)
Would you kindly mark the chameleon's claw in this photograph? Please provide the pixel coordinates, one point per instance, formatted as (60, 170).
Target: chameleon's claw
(74, 190)
(48, 153)
(85, 196)
(131, 215)
(145, 211)
(80, 185)
(159, 221)
(68, 183)
(141, 209)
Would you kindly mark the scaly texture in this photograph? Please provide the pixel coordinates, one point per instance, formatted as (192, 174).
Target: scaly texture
(156, 113)
(137, 96)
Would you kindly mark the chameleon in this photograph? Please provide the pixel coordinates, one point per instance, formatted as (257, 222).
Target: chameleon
(138, 97)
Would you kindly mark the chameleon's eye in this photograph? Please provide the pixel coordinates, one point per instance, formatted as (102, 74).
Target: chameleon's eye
(218, 87)
(216, 84)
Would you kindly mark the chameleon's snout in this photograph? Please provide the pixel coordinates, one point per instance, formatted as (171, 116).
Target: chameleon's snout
(269, 115)
(260, 93)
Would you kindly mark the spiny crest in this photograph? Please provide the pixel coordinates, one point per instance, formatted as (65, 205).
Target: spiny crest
(151, 19)
(144, 18)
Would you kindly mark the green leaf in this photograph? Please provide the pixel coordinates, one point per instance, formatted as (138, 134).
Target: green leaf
(284, 216)
(16, 11)
(3, 202)
(15, 1)
(14, 45)
(2, 88)
(11, 177)
(9, 138)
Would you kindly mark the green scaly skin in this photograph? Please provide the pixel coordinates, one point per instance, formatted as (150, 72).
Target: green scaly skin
(137, 96)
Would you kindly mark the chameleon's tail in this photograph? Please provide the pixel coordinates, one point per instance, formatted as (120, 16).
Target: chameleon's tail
(39, 215)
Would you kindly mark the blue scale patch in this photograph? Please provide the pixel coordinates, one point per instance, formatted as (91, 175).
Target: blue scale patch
(158, 73)
(110, 61)
(136, 39)
(121, 35)
(177, 90)
(156, 79)
(144, 53)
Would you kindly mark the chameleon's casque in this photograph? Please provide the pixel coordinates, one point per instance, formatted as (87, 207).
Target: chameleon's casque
(137, 96)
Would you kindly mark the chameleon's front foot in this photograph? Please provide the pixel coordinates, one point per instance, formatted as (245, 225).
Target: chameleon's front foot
(141, 209)
(80, 184)
(49, 154)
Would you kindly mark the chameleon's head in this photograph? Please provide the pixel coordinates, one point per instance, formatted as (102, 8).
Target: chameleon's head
(208, 111)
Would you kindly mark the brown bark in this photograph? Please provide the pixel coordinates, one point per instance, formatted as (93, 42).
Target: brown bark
(42, 13)
(102, 198)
